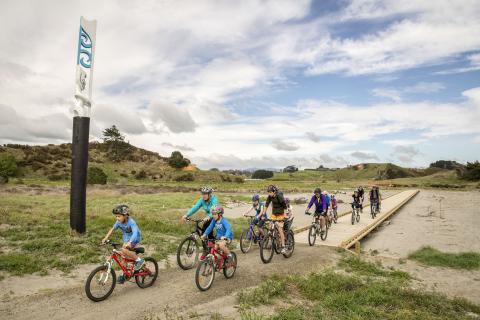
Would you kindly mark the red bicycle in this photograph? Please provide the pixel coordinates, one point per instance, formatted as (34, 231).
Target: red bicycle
(214, 261)
(101, 281)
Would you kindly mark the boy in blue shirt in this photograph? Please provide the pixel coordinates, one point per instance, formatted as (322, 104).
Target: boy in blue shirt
(259, 219)
(131, 236)
(223, 228)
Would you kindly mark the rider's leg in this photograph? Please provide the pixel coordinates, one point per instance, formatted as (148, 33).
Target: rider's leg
(129, 254)
(281, 233)
(322, 222)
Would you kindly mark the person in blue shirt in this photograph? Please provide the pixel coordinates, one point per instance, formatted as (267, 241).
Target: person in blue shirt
(131, 236)
(207, 201)
(223, 228)
(259, 219)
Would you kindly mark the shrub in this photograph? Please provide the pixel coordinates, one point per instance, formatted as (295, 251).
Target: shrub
(141, 175)
(185, 177)
(471, 171)
(8, 166)
(96, 176)
(177, 160)
(262, 174)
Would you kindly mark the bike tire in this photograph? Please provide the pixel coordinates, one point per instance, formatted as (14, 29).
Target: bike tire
(289, 244)
(267, 249)
(188, 241)
(312, 235)
(324, 235)
(140, 280)
(233, 267)
(89, 281)
(335, 216)
(246, 240)
(206, 264)
(353, 216)
(358, 217)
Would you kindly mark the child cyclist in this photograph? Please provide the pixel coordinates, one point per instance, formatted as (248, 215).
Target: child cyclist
(224, 230)
(131, 236)
(259, 219)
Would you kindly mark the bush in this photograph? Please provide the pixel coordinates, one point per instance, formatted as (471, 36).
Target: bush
(57, 177)
(471, 171)
(185, 177)
(262, 174)
(96, 176)
(8, 166)
(141, 175)
(177, 160)
(290, 169)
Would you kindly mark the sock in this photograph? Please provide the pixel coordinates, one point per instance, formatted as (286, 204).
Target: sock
(138, 259)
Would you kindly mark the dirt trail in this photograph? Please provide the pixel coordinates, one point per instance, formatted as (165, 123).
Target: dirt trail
(174, 290)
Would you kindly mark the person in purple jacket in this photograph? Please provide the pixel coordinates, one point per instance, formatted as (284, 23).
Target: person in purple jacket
(318, 199)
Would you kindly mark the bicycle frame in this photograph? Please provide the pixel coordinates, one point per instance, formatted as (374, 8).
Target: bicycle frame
(217, 256)
(122, 263)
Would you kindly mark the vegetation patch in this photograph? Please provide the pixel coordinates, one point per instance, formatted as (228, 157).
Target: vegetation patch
(433, 257)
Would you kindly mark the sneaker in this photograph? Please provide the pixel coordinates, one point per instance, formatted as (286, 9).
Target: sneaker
(284, 250)
(139, 264)
(121, 279)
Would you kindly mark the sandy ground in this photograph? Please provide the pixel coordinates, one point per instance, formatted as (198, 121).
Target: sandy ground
(446, 220)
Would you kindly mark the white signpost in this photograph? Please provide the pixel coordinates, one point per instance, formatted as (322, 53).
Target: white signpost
(81, 123)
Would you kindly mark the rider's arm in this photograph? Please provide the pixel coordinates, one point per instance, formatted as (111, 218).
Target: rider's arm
(209, 228)
(249, 210)
(195, 208)
(310, 204)
(269, 199)
(109, 233)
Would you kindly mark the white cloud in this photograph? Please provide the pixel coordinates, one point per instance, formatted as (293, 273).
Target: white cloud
(392, 94)
(425, 87)
(363, 156)
(284, 145)
(176, 118)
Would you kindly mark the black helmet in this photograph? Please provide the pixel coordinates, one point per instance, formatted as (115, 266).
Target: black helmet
(272, 188)
(317, 190)
(122, 209)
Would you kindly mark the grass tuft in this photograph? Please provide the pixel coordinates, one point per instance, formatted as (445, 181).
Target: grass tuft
(433, 257)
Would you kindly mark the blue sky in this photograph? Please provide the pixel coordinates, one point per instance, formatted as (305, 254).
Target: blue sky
(253, 83)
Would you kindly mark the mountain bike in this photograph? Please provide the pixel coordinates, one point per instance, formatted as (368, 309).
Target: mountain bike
(316, 230)
(188, 250)
(355, 213)
(251, 235)
(214, 261)
(271, 242)
(101, 281)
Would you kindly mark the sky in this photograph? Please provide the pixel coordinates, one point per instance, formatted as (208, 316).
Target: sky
(252, 84)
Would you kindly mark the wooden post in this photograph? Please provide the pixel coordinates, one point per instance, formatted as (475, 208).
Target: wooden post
(357, 248)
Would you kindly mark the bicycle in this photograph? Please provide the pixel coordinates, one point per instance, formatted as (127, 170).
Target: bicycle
(355, 213)
(189, 247)
(316, 229)
(214, 261)
(145, 277)
(374, 208)
(334, 215)
(250, 235)
(271, 242)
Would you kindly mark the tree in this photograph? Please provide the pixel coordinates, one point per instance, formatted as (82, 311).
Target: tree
(8, 166)
(96, 175)
(471, 171)
(290, 169)
(262, 174)
(177, 160)
(117, 148)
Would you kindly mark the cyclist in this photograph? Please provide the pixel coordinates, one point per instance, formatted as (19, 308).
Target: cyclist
(334, 202)
(327, 201)
(361, 193)
(223, 228)
(357, 203)
(318, 199)
(130, 233)
(275, 197)
(259, 219)
(207, 201)
(375, 196)
(288, 215)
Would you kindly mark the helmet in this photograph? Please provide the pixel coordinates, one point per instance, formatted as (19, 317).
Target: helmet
(333, 196)
(256, 197)
(287, 200)
(317, 190)
(355, 191)
(325, 192)
(217, 210)
(206, 190)
(360, 188)
(122, 209)
(272, 188)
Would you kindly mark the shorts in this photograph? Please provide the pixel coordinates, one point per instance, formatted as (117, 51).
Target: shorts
(279, 217)
(227, 241)
(323, 213)
(259, 222)
(134, 244)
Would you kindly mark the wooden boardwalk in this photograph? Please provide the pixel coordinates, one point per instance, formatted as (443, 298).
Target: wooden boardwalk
(344, 234)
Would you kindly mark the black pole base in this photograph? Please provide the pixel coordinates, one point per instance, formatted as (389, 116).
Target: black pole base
(78, 185)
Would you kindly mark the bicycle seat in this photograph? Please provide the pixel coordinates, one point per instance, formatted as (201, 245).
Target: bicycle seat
(139, 250)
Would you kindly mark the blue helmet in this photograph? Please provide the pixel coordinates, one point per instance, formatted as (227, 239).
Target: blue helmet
(256, 197)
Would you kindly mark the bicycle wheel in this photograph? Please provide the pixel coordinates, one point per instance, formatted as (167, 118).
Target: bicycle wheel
(187, 253)
(100, 284)
(230, 267)
(148, 273)
(246, 240)
(266, 249)
(358, 217)
(329, 223)
(353, 216)
(205, 274)
(289, 244)
(323, 234)
(335, 216)
(312, 235)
